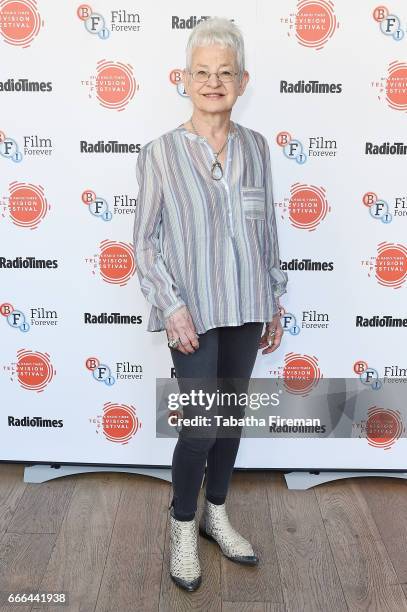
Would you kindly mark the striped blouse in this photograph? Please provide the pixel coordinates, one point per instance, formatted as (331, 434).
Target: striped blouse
(208, 244)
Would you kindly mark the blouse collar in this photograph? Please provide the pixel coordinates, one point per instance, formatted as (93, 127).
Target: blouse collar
(195, 137)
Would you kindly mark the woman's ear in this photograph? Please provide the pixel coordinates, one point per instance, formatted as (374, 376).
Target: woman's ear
(243, 82)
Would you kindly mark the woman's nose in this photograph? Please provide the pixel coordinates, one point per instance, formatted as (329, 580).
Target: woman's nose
(213, 80)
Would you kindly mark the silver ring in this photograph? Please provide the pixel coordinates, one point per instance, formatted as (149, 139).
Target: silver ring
(173, 342)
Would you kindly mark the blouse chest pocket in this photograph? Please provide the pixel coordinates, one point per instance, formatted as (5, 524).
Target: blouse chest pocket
(254, 202)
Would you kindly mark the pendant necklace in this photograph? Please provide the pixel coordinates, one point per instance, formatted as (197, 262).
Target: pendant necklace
(216, 170)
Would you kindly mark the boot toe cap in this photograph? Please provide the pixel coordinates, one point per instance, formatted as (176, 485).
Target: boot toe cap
(191, 585)
(245, 559)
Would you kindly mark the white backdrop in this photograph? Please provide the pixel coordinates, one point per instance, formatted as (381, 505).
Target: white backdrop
(49, 349)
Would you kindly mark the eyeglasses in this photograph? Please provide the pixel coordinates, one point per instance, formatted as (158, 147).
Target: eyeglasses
(225, 76)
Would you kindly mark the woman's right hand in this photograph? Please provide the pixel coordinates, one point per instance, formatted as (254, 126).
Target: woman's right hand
(180, 325)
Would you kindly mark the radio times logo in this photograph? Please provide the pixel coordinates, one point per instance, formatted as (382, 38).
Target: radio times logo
(115, 262)
(379, 209)
(20, 22)
(393, 88)
(26, 205)
(99, 208)
(389, 265)
(120, 21)
(389, 23)
(313, 23)
(33, 370)
(113, 84)
(18, 320)
(307, 265)
(124, 370)
(310, 87)
(380, 321)
(306, 208)
(295, 150)
(300, 373)
(118, 423)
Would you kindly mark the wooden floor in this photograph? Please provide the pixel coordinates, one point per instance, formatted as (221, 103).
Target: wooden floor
(104, 539)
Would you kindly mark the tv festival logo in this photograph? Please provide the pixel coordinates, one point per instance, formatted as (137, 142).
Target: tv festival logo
(389, 23)
(9, 148)
(379, 209)
(300, 373)
(17, 319)
(26, 205)
(113, 84)
(382, 428)
(393, 87)
(95, 24)
(313, 23)
(389, 265)
(33, 370)
(118, 423)
(115, 262)
(20, 22)
(98, 207)
(307, 206)
(293, 148)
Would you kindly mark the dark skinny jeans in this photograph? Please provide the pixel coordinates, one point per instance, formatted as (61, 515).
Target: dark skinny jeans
(224, 361)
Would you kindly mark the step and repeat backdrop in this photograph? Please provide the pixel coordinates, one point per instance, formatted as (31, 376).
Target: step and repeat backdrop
(82, 88)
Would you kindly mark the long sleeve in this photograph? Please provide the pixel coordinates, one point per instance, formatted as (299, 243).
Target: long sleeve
(157, 285)
(279, 277)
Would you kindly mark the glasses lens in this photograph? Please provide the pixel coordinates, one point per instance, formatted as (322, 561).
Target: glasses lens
(200, 75)
(226, 76)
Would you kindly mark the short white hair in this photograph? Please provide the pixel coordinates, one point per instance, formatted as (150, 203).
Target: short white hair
(217, 31)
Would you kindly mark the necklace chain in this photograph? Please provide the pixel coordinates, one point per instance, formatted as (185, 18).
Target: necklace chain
(216, 170)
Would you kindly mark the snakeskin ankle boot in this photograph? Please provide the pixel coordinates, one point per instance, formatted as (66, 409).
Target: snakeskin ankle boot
(214, 525)
(185, 570)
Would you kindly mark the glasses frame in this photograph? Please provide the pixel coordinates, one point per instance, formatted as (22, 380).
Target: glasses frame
(209, 76)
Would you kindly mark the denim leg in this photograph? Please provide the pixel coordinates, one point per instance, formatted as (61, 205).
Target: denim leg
(238, 349)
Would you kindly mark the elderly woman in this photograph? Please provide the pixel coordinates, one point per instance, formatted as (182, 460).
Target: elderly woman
(207, 258)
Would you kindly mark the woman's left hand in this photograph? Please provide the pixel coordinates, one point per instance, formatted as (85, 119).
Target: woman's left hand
(270, 340)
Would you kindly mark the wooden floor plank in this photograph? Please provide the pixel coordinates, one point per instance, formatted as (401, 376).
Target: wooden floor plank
(309, 578)
(132, 575)
(78, 560)
(368, 578)
(248, 511)
(252, 606)
(23, 560)
(42, 507)
(386, 498)
(12, 487)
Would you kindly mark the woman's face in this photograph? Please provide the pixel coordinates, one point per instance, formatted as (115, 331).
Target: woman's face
(214, 96)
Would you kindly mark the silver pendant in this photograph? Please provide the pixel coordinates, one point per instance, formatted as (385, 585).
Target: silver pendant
(216, 171)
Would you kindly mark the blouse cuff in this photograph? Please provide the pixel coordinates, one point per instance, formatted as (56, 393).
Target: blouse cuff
(170, 309)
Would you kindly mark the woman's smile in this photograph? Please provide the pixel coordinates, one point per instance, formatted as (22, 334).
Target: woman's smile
(213, 96)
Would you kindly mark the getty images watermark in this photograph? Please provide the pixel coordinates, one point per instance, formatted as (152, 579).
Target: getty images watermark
(280, 408)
